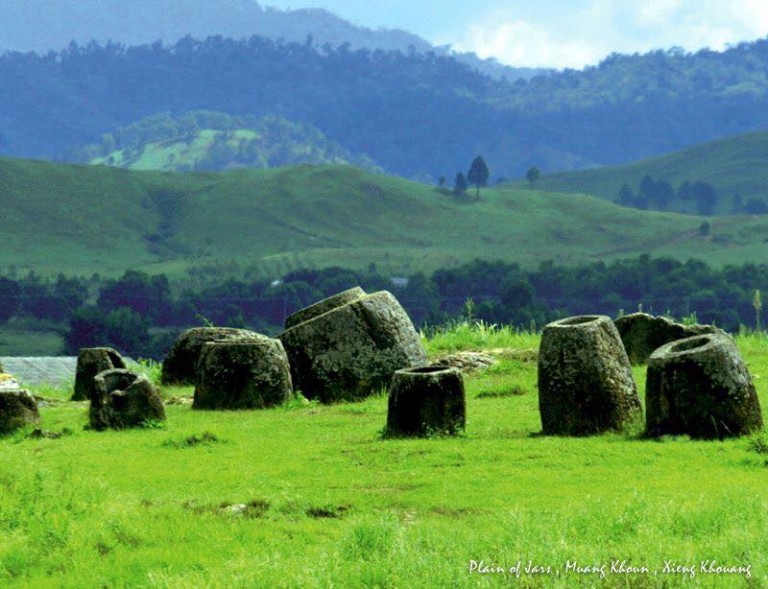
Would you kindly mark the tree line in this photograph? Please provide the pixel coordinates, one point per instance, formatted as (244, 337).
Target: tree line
(698, 197)
(141, 314)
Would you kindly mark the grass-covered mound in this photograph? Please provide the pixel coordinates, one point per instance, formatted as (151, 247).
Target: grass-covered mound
(312, 496)
(732, 165)
(86, 219)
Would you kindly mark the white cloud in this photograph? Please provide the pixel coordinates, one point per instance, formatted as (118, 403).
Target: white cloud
(520, 42)
(575, 33)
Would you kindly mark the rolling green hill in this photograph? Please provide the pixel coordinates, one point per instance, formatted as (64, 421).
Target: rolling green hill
(84, 219)
(732, 165)
(208, 141)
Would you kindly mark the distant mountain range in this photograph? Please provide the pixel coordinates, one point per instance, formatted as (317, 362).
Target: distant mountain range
(412, 111)
(53, 24)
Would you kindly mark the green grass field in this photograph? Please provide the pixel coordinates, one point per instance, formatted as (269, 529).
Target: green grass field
(86, 219)
(312, 496)
(733, 164)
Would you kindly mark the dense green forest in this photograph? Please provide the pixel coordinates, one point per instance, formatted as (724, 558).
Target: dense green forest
(141, 314)
(417, 115)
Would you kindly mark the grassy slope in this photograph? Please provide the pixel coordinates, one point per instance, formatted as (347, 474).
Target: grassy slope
(734, 164)
(164, 155)
(331, 504)
(87, 219)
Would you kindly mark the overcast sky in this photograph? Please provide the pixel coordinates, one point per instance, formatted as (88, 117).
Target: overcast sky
(559, 33)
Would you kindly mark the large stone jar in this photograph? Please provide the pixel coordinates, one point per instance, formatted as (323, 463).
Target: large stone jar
(352, 350)
(585, 379)
(123, 399)
(642, 333)
(18, 407)
(91, 361)
(700, 386)
(426, 400)
(180, 365)
(324, 306)
(242, 374)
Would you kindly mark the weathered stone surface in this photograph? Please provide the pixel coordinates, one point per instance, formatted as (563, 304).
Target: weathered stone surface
(700, 386)
(353, 350)
(585, 379)
(123, 399)
(426, 400)
(91, 361)
(242, 374)
(642, 333)
(466, 361)
(180, 365)
(324, 306)
(18, 409)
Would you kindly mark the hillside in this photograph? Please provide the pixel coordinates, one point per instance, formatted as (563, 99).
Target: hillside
(85, 219)
(734, 165)
(207, 141)
(420, 116)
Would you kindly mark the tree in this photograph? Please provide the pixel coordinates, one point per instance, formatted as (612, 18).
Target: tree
(478, 174)
(532, 175)
(10, 298)
(705, 196)
(460, 184)
(626, 196)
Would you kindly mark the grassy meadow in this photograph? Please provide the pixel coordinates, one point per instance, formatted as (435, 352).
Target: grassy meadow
(312, 496)
(265, 223)
(731, 165)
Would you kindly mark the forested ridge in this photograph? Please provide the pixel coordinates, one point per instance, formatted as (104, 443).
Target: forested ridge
(419, 115)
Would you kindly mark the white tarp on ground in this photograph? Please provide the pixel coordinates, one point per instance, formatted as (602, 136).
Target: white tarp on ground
(35, 371)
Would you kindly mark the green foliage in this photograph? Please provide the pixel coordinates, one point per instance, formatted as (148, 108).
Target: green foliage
(460, 184)
(205, 141)
(533, 175)
(478, 174)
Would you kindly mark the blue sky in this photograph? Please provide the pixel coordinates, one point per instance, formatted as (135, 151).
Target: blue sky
(559, 33)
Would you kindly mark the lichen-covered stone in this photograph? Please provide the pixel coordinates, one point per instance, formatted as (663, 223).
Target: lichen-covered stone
(700, 386)
(180, 365)
(18, 409)
(352, 351)
(585, 379)
(642, 333)
(324, 306)
(123, 399)
(242, 374)
(425, 401)
(91, 361)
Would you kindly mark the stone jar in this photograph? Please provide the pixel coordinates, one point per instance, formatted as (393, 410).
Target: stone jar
(700, 386)
(352, 351)
(426, 400)
(242, 374)
(585, 379)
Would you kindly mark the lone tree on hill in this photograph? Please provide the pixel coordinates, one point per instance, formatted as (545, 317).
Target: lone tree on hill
(460, 184)
(532, 175)
(478, 174)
